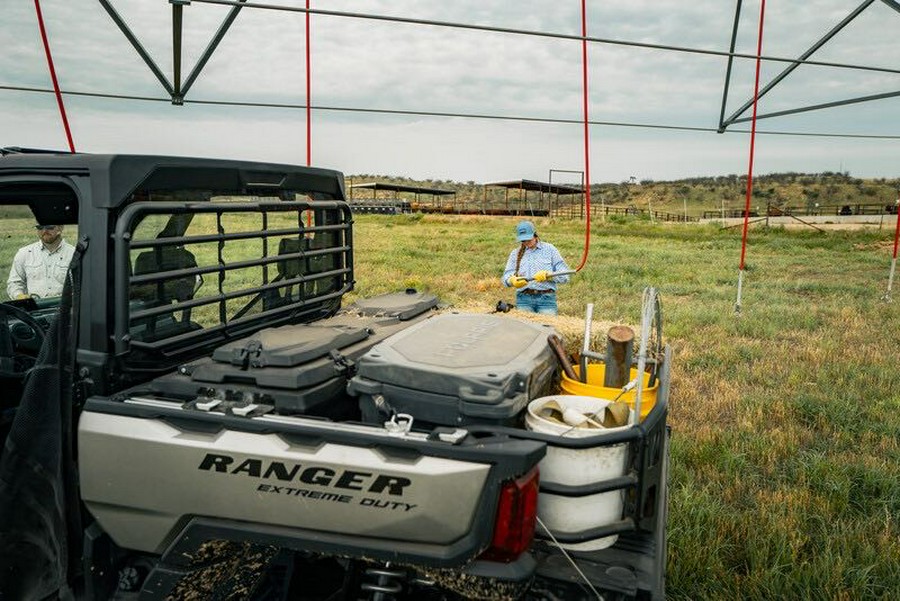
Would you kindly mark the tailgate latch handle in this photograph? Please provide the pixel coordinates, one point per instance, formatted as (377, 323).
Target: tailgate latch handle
(342, 364)
(399, 425)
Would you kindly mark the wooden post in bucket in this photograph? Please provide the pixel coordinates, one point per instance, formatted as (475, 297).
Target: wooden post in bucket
(619, 348)
(560, 352)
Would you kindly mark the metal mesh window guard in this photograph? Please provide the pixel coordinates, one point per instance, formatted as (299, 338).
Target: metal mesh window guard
(198, 272)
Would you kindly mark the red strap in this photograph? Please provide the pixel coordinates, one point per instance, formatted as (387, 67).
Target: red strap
(59, 99)
(762, 12)
(587, 153)
(308, 110)
(897, 228)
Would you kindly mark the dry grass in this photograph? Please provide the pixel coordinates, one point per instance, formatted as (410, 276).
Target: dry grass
(786, 419)
(785, 481)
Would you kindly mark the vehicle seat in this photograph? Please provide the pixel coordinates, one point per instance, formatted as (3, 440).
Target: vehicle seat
(310, 266)
(176, 289)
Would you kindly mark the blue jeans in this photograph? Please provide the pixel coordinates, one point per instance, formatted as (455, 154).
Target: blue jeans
(544, 304)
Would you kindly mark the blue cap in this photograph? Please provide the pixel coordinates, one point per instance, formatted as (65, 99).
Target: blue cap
(524, 231)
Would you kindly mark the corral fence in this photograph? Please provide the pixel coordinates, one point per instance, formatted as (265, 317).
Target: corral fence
(642, 213)
(830, 209)
(569, 212)
(381, 208)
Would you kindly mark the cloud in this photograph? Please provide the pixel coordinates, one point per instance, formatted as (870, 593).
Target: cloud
(361, 63)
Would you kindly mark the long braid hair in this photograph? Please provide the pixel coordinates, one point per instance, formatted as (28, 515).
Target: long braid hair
(522, 249)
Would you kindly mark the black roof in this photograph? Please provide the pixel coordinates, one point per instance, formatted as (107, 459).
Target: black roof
(536, 186)
(400, 188)
(115, 176)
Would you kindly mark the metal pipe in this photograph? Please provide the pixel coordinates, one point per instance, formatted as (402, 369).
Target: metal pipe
(734, 30)
(177, 95)
(824, 105)
(553, 274)
(213, 44)
(586, 346)
(893, 4)
(537, 33)
(787, 71)
(647, 312)
(123, 27)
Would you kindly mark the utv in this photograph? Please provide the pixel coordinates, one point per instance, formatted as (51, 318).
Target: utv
(197, 416)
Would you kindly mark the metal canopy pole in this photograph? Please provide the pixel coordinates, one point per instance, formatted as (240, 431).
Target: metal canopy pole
(824, 105)
(179, 91)
(177, 95)
(734, 30)
(893, 4)
(759, 46)
(213, 44)
(136, 44)
(787, 71)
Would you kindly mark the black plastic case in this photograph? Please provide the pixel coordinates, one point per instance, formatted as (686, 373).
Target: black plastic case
(456, 369)
(298, 368)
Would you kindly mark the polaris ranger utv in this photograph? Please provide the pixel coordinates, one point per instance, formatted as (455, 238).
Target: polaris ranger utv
(198, 416)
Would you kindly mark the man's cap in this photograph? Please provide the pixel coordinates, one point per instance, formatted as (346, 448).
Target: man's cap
(524, 231)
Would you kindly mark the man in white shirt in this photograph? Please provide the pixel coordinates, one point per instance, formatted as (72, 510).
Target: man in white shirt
(39, 269)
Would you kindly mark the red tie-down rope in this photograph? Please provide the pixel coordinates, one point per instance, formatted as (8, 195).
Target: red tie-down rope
(759, 41)
(896, 228)
(59, 99)
(308, 109)
(587, 153)
(890, 285)
(308, 86)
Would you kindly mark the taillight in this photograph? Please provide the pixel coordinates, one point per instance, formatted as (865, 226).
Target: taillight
(516, 516)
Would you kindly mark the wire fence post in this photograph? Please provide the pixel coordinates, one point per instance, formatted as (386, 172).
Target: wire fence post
(737, 304)
(887, 295)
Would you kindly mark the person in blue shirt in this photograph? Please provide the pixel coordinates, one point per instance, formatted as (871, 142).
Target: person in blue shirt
(528, 270)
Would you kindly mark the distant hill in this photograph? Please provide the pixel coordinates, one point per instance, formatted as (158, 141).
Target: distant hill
(786, 191)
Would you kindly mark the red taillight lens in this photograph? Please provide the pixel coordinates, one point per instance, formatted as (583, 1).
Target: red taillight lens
(516, 516)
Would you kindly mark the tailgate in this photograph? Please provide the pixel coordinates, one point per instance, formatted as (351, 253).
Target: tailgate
(153, 474)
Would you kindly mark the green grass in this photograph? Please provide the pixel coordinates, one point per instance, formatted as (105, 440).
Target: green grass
(785, 479)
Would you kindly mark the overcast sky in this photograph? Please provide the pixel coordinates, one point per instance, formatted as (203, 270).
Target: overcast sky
(368, 64)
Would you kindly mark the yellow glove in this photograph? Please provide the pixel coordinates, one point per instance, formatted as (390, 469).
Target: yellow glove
(21, 296)
(542, 276)
(517, 282)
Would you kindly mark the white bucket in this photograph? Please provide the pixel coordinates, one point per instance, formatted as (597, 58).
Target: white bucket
(579, 467)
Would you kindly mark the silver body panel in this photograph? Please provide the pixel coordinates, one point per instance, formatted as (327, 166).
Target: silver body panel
(142, 478)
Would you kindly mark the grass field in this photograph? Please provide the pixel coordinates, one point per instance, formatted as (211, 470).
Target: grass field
(785, 480)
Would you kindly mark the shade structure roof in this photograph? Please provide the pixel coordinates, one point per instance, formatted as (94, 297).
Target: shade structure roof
(375, 186)
(536, 186)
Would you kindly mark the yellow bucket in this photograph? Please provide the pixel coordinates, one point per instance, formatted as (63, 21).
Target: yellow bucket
(595, 388)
